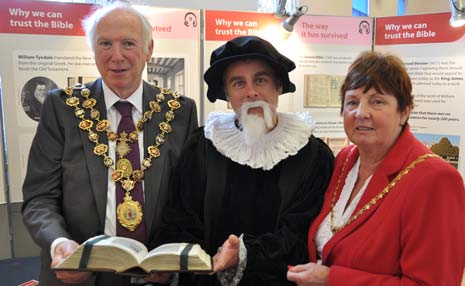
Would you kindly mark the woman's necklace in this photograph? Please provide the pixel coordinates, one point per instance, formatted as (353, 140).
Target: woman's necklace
(129, 212)
(379, 196)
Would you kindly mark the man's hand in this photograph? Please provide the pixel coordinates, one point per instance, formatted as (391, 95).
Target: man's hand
(63, 250)
(310, 274)
(227, 255)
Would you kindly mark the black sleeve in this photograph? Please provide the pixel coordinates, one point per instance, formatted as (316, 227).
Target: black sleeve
(268, 255)
(193, 123)
(182, 219)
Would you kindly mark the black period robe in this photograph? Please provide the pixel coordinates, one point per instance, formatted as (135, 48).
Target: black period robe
(213, 197)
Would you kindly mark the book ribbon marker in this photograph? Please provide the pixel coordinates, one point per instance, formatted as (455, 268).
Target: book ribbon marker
(88, 249)
(185, 257)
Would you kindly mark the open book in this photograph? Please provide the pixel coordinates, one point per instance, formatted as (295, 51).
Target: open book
(128, 256)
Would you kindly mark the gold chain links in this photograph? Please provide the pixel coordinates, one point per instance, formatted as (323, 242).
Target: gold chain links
(378, 197)
(101, 126)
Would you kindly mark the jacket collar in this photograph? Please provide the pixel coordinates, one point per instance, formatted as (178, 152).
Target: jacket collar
(395, 160)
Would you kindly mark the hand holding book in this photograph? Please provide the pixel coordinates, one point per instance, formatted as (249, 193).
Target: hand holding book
(130, 257)
(227, 255)
(63, 250)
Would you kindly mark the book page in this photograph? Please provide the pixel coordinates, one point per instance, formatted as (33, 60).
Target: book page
(169, 248)
(322, 90)
(133, 247)
(167, 257)
(106, 254)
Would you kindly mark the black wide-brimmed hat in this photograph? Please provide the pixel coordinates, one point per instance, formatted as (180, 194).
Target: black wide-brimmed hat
(245, 48)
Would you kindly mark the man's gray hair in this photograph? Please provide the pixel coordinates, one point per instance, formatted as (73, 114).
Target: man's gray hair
(90, 23)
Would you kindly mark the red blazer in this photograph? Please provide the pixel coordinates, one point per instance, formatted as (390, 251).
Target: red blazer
(415, 235)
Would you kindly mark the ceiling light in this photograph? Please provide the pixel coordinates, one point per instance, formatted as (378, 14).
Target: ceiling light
(457, 11)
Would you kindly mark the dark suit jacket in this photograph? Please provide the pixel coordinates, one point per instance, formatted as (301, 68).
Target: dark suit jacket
(65, 190)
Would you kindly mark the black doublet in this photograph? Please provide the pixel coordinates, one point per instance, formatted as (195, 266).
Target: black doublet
(212, 197)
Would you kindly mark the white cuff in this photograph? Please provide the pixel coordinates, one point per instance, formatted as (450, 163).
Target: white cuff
(54, 245)
(233, 275)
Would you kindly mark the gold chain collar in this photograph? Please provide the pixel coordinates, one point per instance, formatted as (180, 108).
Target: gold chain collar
(379, 196)
(101, 149)
(129, 212)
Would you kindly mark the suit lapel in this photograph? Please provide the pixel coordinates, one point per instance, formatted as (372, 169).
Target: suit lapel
(154, 175)
(97, 170)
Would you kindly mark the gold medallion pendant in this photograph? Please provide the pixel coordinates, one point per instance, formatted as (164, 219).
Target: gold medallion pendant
(125, 166)
(122, 147)
(129, 213)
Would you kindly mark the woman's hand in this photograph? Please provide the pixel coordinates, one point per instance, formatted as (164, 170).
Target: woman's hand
(310, 274)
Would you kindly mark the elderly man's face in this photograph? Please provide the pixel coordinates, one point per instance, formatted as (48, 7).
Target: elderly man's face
(251, 80)
(40, 92)
(120, 52)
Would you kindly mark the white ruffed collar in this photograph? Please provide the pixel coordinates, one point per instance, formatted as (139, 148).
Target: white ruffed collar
(289, 136)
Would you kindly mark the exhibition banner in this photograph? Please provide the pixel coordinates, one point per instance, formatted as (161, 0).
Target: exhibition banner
(432, 51)
(329, 30)
(225, 25)
(322, 48)
(417, 29)
(42, 18)
(221, 26)
(43, 48)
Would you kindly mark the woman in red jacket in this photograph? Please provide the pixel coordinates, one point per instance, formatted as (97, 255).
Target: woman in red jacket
(394, 213)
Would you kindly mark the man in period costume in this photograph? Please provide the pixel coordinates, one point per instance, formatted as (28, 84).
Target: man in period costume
(248, 183)
(102, 155)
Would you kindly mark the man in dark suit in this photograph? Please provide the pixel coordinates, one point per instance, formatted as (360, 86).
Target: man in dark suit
(79, 157)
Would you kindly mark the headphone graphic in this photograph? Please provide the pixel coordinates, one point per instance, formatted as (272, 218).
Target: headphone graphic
(364, 25)
(190, 17)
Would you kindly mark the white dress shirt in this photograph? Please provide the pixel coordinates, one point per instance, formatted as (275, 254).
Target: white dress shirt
(114, 118)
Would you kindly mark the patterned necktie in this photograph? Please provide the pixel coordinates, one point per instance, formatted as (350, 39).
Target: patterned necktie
(127, 125)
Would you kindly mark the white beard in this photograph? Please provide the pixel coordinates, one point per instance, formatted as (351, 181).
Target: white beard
(255, 126)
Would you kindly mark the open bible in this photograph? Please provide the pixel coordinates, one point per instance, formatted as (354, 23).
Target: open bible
(130, 257)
